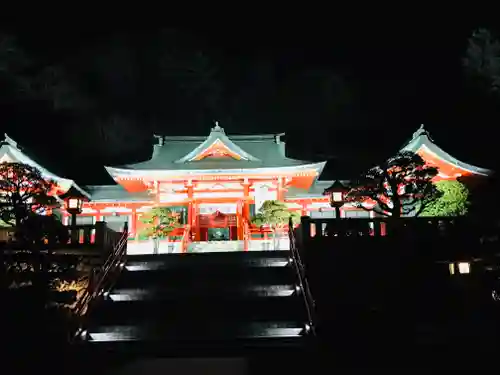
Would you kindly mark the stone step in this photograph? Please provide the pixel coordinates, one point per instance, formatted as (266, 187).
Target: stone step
(153, 293)
(210, 276)
(194, 332)
(277, 349)
(203, 310)
(246, 259)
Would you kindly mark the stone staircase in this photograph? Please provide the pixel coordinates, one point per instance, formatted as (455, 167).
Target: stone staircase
(203, 304)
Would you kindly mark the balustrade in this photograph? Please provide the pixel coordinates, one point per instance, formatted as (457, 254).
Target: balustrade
(87, 236)
(440, 238)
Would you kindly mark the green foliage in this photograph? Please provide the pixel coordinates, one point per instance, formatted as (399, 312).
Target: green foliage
(454, 200)
(275, 214)
(401, 186)
(23, 190)
(159, 222)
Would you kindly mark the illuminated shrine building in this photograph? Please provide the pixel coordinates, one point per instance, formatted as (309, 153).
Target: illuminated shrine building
(10, 152)
(448, 166)
(216, 183)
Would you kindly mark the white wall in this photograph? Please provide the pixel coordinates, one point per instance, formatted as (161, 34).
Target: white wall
(146, 247)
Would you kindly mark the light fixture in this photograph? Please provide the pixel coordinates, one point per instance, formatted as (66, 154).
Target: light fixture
(337, 192)
(461, 268)
(74, 205)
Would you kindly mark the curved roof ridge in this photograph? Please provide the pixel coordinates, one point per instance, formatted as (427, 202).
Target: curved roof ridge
(422, 139)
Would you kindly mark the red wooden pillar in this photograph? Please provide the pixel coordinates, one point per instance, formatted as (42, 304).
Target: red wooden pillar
(239, 220)
(280, 192)
(194, 218)
(133, 224)
(246, 237)
(246, 202)
(189, 186)
(304, 208)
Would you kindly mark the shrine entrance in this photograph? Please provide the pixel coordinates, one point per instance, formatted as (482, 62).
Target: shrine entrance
(219, 234)
(218, 227)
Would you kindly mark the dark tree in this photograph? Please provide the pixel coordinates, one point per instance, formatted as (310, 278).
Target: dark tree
(401, 186)
(137, 85)
(320, 98)
(191, 70)
(14, 63)
(25, 77)
(482, 60)
(54, 84)
(113, 137)
(23, 190)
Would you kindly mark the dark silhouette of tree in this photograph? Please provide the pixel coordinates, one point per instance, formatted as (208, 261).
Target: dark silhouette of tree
(14, 65)
(45, 230)
(23, 190)
(190, 68)
(34, 305)
(24, 77)
(137, 85)
(401, 186)
(482, 60)
(320, 98)
(54, 84)
(114, 137)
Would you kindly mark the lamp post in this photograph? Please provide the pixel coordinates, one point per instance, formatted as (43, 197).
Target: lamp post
(74, 206)
(337, 192)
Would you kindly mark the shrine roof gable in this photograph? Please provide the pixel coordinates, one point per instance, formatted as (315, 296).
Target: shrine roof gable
(422, 141)
(10, 152)
(216, 152)
(217, 145)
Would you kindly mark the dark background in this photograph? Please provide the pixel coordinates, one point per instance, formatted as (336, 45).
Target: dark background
(349, 93)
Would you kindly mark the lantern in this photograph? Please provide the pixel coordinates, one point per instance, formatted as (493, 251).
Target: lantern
(337, 193)
(460, 268)
(74, 205)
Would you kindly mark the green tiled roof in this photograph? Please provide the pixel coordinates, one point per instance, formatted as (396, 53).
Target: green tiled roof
(115, 193)
(421, 138)
(315, 191)
(257, 151)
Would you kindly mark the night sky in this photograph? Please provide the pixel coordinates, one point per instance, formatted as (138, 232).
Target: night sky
(347, 94)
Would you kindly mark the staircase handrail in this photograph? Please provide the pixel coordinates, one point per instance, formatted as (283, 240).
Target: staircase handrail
(303, 282)
(98, 279)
